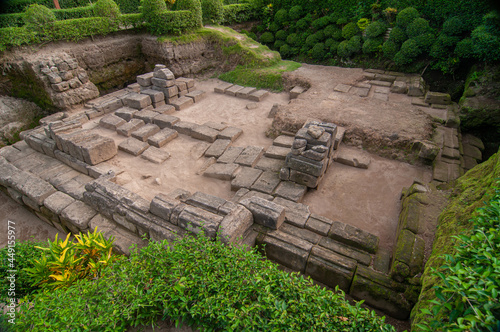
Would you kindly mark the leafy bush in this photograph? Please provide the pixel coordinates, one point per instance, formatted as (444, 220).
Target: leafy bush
(202, 283)
(363, 24)
(329, 42)
(39, 18)
(273, 27)
(372, 45)
(267, 38)
(406, 16)
(333, 47)
(131, 20)
(465, 48)
(330, 30)
(295, 13)
(80, 28)
(281, 17)
(293, 39)
(418, 27)
(425, 41)
(238, 13)
(315, 38)
(286, 51)
(106, 8)
(469, 294)
(354, 44)
(11, 20)
(64, 262)
(454, 26)
(278, 44)
(194, 6)
(320, 23)
(398, 35)
(177, 22)
(71, 13)
(486, 44)
(281, 35)
(213, 11)
(10, 37)
(128, 6)
(343, 49)
(302, 24)
(350, 30)
(150, 10)
(318, 51)
(390, 49)
(25, 255)
(443, 45)
(409, 51)
(376, 29)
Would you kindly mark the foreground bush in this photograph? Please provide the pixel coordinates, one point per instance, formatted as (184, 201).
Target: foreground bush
(200, 282)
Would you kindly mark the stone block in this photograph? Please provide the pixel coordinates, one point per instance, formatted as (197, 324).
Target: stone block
(305, 165)
(376, 290)
(291, 191)
(342, 88)
(196, 220)
(296, 214)
(127, 128)
(249, 156)
(245, 178)
(163, 108)
(189, 81)
(252, 106)
(165, 121)
(109, 105)
(217, 148)
(234, 225)
(147, 116)
(163, 205)
(156, 96)
(61, 87)
(230, 133)
(331, 268)
(206, 202)
(57, 202)
(133, 146)
(143, 133)
(137, 101)
(126, 113)
(277, 152)
(408, 256)
(381, 83)
(182, 103)
(416, 87)
(204, 133)
(258, 95)
(284, 141)
(264, 212)
(267, 182)
(161, 83)
(340, 248)
(245, 92)
(77, 216)
(71, 161)
(221, 171)
(164, 73)
(399, 87)
(354, 158)
(155, 155)
(98, 150)
(145, 79)
(438, 98)
(472, 151)
(296, 91)
(353, 236)
(286, 249)
(473, 140)
(301, 233)
(215, 125)
(111, 121)
(307, 180)
(230, 155)
(196, 95)
(221, 88)
(162, 137)
(231, 91)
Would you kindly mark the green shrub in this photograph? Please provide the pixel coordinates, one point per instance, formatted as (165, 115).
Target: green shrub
(71, 13)
(318, 51)
(425, 41)
(150, 10)
(333, 47)
(286, 51)
(273, 27)
(469, 293)
(281, 35)
(372, 45)
(486, 44)
(350, 30)
(128, 6)
(406, 16)
(337, 35)
(177, 22)
(342, 21)
(295, 13)
(106, 8)
(408, 53)
(194, 6)
(213, 11)
(267, 38)
(443, 46)
(281, 17)
(320, 23)
(329, 42)
(315, 38)
(454, 26)
(133, 20)
(376, 29)
(302, 24)
(11, 20)
(39, 18)
(390, 49)
(14, 36)
(202, 283)
(343, 49)
(23, 255)
(330, 30)
(418, 27)
(250, 34)
(293, 39)
(398, 35)
(278, 44)
(238, 13)
(354, 44)
(80, 28)
(465, 48)
(363, 24)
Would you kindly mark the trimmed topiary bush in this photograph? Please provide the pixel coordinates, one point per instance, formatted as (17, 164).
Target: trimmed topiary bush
(212, 11)
(330, 30)
(293, 39)
(406, 16)
(418, 27)
(318, 51)
(337, 35)
(329, 42)
(194, 6)
(354, 44)
(302, 24)
(454, 26)
(372, 45)
(274, 27)
(295, 13)
(320, 23)
(409, 51)
(343, 49)
(443, 46)
(281, 35)
(286, 51)
(39, 18)
(465, 48)
(267, 38)
(425, 41)
(315, 38)
(390, 49)
(150, 10)
(350, 30)
(281, 17)
(334, 47)
(398, 35)
(375, 29)
(486, 44)
(106, 8)
(278, 44)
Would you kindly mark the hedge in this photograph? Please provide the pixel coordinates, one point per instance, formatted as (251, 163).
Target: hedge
(71, 13)
(18, 6)
(128, 6)
(11, 20)
(80, 28)
(176, 22)
(237, 13)
(16, 36)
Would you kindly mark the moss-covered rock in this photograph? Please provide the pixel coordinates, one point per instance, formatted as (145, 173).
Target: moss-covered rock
(469, 193)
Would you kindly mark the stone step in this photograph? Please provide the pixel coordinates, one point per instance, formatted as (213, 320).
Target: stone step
(196, 95)
(182, 103)
(258, 95)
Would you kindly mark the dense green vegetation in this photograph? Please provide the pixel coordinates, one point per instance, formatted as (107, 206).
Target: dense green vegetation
(200, 282)
(460, 284)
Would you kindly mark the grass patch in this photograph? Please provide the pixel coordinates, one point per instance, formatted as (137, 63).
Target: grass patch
(262, 78)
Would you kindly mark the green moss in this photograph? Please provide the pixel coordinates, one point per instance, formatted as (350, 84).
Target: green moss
(470, 192)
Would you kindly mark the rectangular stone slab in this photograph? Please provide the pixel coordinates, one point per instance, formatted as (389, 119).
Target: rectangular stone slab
(258, 95)
(296, 214)
(221, 171)
(222, 87)
(277, 152)
(184, 127)
(291, 191)
(196, 95)
(264, 212)
(77, 216)
(205, 201)
(233, 90)
(245, 178)
(162, 137)
(98, 150)
(127, 128)
(266, 183)
(162, 206)
(111, 121)
(137, 101)
(145, 132)
(133, 146)
(230, 155)
(234, 225)
(155, 95)
(155, 155)
(284, 141)
(360, 256)
(245, 92)
(195, 220)
(165, 121)
(182, 103)
(249, 156)
(144, 79)
(217, 148)
(231, 133)
(353, 236)
(126, 113)
(146, 115)
(204, 133)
